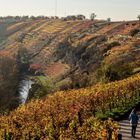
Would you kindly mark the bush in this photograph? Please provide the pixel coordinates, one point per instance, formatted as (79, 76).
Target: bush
(136, 44)
(134, 32)
(113, 72)
(113, 44)
(110, 46)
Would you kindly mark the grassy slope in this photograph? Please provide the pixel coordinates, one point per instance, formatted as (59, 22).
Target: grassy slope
(70, 48)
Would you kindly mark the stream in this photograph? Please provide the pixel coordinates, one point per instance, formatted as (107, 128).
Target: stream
(24, 87)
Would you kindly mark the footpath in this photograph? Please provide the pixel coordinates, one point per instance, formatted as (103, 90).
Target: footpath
(126, 128)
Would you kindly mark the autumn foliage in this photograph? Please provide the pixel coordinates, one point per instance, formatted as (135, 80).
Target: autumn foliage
(72, 114)
(70, 49)
(8, 83)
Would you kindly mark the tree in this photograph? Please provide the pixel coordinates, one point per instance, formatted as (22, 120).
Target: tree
(33, 18)
(23, 59)
(25, 18)
(139, 17)
(81, 17)
(108, 20)
(17, 17)
(8, 83)
(92, 16)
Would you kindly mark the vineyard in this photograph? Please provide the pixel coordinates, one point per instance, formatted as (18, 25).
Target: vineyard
(74, 114)
(92, 66)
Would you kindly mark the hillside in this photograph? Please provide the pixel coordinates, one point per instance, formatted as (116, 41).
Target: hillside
(93, 65)
(77, 53)
(73, 114)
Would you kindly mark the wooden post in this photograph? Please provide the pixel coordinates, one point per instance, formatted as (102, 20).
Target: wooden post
(110, 107)
(5, 137)
(30, 137)
(80, 118)
(109, 137)
(119, 136)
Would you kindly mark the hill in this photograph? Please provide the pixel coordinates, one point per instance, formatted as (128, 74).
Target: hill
(99, 58)
(74, 53)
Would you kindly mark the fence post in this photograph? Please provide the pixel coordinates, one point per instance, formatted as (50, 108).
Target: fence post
(30, 135)
(5, 137)
(119, 136)
(110, 109)
(79, 118)
(109, 137)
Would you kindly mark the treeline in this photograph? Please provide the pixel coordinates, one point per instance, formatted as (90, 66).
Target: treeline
(21, 18)
(27, 18)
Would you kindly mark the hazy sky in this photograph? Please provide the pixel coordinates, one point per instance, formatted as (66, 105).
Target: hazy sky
(116, 9)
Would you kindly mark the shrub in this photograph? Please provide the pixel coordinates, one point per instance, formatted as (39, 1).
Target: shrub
(113, 44)
(8, 82)
(134, 32)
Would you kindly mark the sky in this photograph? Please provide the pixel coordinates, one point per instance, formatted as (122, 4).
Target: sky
(115, 9)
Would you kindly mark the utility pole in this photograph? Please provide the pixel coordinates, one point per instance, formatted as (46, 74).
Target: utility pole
(65, 14)
(55, 7)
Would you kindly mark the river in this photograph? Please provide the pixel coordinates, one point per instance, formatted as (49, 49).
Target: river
(24, 87)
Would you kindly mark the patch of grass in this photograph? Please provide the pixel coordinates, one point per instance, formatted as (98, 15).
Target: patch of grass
(136, 70)
(117, 113)
(63, 85)
(42, 79)
(41, 87)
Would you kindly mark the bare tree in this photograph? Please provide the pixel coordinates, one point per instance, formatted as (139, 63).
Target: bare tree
(92, 16)
(138, 17)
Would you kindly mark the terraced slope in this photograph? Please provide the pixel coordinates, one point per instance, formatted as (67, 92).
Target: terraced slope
(74, 48)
